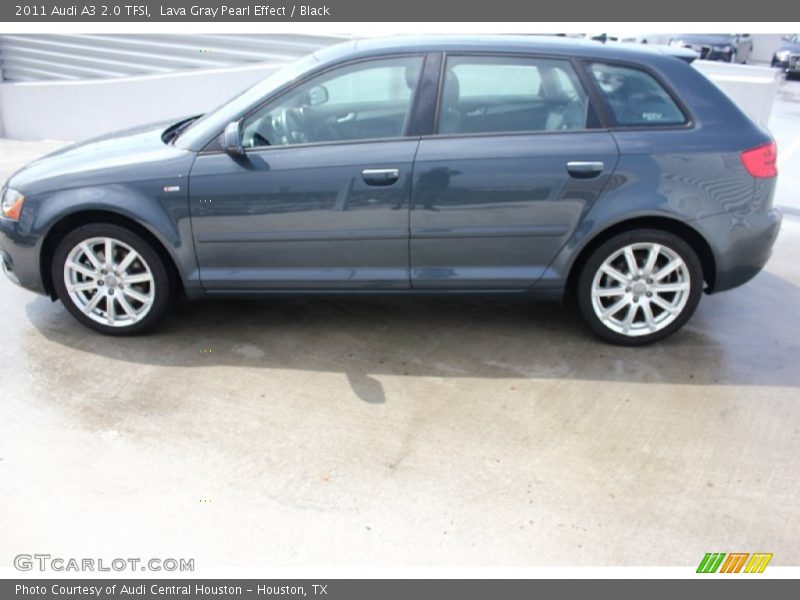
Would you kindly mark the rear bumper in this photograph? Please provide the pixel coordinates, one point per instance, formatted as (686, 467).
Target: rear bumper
(19, 259)
(742, 245)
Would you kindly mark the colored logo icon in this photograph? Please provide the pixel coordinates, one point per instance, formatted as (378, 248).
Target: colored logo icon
(734, 562)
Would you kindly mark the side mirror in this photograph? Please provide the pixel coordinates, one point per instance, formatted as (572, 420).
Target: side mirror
(231, 140)
(317, 95)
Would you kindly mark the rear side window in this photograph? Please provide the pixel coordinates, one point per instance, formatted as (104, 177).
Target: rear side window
(496, 94)
(635, 97)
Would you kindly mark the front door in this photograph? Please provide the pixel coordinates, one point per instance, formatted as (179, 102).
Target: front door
(320, 198)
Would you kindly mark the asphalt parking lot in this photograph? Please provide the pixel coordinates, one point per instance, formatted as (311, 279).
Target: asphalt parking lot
(412, 432)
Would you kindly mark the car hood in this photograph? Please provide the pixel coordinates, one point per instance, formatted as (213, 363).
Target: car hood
(136, 153)
(792, 47)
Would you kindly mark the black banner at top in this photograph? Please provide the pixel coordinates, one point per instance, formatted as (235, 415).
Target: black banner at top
(396, 11)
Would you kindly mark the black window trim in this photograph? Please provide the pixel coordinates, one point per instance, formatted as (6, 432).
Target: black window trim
(427, 125)
(213, 146)
(591, 100)
(608, 113)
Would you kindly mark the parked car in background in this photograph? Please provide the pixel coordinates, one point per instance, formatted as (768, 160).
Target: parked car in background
(437, 165)
(787, 57)
(733, 48)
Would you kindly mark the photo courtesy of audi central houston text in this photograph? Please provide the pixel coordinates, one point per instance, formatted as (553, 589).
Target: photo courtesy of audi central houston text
(619, 176)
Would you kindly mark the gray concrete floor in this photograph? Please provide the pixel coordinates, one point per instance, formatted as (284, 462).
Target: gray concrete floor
(420, 432)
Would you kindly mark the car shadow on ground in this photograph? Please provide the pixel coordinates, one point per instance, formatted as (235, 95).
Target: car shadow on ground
(744, 337)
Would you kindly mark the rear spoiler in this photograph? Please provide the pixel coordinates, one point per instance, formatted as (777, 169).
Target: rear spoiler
(685, 54)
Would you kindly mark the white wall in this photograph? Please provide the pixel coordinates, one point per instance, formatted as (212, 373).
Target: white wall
(765, 45)
(74, 110)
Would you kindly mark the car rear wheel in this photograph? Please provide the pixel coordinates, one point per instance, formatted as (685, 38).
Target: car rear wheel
(111, 279)
(640, 287)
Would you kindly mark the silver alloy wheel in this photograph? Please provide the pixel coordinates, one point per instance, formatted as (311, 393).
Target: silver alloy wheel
(109, 281)
(640, 289)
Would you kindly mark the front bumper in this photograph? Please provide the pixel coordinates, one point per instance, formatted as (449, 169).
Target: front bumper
(710, 53)
(742, 245)
(7, 266)
(19, 258)
(790, 65)
(719, 56)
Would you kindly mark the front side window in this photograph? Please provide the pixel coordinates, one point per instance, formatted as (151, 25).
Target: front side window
(365, 100)
(635, 97)
(496, 94)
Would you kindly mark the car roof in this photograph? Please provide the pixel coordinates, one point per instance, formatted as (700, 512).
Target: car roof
(499, 43)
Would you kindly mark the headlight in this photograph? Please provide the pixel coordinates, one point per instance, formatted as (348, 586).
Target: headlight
(783, 55)
(11, 203)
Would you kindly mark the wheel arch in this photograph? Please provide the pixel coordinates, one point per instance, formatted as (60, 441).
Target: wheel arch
(686, 232)
(76, 219)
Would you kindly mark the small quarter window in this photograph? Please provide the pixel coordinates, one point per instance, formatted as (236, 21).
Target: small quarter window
(635, 97)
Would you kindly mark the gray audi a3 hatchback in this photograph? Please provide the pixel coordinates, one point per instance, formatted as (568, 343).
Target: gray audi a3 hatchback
(433, 165)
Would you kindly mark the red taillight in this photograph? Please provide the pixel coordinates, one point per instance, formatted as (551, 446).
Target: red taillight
(761, 160)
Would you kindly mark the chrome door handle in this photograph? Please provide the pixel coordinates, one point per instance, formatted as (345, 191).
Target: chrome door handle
(380, 176)
(584, 169)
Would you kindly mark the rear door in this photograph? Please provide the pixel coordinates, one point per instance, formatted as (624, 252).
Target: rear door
(513, 166)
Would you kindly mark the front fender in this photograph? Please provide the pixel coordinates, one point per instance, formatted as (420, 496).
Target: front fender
(164, 214)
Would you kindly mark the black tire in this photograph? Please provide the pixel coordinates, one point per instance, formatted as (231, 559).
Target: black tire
(606, 250)
(163, 288)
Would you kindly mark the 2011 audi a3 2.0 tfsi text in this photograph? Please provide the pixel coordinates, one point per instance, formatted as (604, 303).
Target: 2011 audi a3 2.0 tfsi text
(503, 165)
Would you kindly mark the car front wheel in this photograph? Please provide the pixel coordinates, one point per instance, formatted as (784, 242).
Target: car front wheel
(640, 287)
(111, 279)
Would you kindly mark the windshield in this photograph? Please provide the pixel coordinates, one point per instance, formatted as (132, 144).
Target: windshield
(215, 120)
